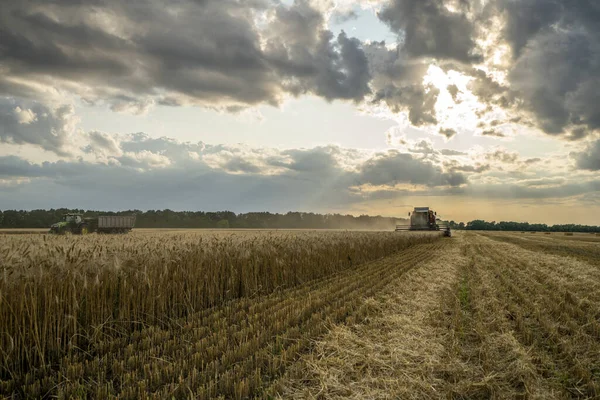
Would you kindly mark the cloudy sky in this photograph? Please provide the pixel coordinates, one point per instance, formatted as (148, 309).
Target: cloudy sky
(480, 108)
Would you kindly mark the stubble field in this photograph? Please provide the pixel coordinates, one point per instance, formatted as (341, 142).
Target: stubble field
(295, 314)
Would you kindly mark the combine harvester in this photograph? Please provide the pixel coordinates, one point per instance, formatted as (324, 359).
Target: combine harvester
(424, 219)
(78, 225)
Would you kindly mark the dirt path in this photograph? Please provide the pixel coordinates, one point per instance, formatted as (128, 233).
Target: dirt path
(485, 319)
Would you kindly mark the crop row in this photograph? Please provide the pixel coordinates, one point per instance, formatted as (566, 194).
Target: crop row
(585, 249)
(557, 323)
(494, 363)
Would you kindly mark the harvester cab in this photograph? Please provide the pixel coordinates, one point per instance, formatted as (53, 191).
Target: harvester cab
(425, 219)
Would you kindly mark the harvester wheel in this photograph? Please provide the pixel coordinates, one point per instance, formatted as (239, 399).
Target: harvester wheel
(84, 230)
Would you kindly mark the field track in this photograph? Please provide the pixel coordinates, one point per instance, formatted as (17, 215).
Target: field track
(489, 319)
(478, 316)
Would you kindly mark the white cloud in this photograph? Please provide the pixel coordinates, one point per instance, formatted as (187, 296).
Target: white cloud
(25, 116)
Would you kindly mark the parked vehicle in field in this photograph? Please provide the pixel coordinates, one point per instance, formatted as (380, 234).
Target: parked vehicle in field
(78, 225)
(425, 219)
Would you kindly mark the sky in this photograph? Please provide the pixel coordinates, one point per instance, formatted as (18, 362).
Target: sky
(481, 109)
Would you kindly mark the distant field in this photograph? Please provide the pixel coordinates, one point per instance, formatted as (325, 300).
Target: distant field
(300, 314)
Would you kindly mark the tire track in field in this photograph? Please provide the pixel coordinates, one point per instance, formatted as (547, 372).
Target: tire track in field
(572, 287)
(436, 333)
(571, 303)
(483, 357)
(587, 250)
(394, 351)
(564, 353)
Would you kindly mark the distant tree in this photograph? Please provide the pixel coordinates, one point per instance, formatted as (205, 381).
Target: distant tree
(223, 224)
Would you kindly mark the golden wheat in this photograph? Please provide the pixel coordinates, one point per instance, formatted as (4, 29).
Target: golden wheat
(69, 304)
(298, 314)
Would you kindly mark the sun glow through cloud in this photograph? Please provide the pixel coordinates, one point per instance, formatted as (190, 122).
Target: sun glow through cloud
(457, 110)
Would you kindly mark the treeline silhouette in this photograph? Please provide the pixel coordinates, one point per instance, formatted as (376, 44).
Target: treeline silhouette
(13, 219)
(481, 225)
(199, 219)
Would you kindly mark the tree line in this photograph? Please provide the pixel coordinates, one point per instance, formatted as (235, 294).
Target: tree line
(481, 225)
(13, 219)
(199, 219)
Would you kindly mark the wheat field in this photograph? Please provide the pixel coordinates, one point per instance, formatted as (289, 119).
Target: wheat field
(299, 314)
(103, 315)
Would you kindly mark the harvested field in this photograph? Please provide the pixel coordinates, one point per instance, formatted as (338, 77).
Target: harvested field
(300, 315)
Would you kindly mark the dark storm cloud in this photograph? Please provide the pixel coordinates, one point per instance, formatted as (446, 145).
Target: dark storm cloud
(488, 90)
(398, 83)
(207, 52)
(556, 62)
(395, 168)
(553, 71)
(429, 29)
(319, 159)
(526, 18)
(33, 123)
(418, 99)
(35, 43)
(231, 54)
(13, 166)
(589, 159)
(314, 59)
(558, 76)
(343, 75)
